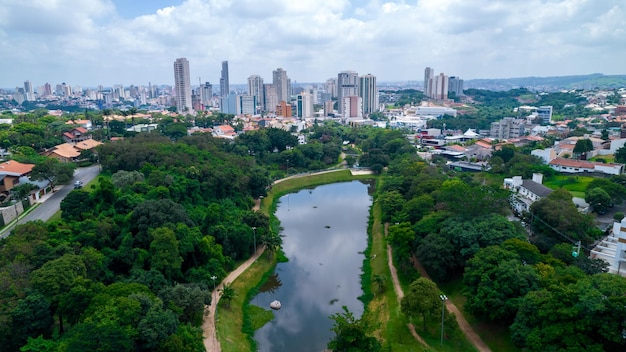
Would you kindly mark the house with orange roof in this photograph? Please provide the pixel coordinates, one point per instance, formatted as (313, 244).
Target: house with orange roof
(10, 173)
(224, 131)
(68, 152)
(76, 135)
(86, 124)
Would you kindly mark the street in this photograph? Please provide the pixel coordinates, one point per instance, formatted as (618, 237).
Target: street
(52, 204)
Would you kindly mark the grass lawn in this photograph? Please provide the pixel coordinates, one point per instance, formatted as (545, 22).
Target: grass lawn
(574, 184)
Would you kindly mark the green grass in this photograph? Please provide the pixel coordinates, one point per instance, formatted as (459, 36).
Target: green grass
(574, 184)
(259, 316)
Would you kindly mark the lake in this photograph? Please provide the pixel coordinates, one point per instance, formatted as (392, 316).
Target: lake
(324, 236)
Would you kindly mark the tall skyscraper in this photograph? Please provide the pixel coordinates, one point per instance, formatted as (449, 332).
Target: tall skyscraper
(368, 93)
(429, 73)
(28, 91)
(282, 84)
(255, 88)
(347, 85)
(182, 86)
(331, 87)
(224, 83)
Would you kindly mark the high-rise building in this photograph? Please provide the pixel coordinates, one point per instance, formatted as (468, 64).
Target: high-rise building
(429, 73)
(455, 85)
(347, 85)
(228, 105)
(507, 128)
(304, 105)
(255, 87)
(246, 104)
(28, 91)
(224, 83)
(368, 93)
(283, 109)
(439, 87)
(270, 98)
(207, 94)
(352, 106)
(47, 89)
(182, 86)
(331, 87)
(282, 84)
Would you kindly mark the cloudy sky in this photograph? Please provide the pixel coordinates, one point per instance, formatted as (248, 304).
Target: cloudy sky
(91, 42)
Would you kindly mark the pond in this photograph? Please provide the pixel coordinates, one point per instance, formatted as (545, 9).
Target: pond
(324, 236)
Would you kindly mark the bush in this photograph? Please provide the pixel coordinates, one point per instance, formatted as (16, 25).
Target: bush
(618, 216)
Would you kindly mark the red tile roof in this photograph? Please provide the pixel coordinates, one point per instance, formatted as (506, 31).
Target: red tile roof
(14, 167)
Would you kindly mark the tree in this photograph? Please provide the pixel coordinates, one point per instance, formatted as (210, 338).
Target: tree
(620, 155)
(351, 334)
(598, 199)
(380, 282)
(53, 171)
(495, 280)
(75, 205)
(583, 146)
(228, 293)
(164, 253)
(422, 299)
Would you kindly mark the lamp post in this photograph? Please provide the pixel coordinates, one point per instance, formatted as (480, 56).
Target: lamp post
(443, 307)
(254, 231)
(213, 278)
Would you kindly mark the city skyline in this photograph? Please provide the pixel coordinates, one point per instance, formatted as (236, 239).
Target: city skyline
(110, 42)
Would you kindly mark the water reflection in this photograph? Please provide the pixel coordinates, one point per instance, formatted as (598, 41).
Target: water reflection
(325, 232)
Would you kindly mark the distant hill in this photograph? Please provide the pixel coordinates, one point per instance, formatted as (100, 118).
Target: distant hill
(587, 82)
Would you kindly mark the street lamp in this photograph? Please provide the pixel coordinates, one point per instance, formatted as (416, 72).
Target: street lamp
(443, 307)
(213, 278)
(254, 230)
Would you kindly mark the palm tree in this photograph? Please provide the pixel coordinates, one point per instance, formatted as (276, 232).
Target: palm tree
(271, 241)
(227, 293)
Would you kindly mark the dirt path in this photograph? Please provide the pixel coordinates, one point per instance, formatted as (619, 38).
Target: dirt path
(211, 344)
(471, 335)
(398, 289)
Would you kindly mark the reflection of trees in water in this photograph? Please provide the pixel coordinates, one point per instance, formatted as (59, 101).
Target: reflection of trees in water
(272, 284)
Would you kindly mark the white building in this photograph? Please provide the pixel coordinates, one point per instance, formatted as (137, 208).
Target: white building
(368, 93)
(613, 249)
(347, 85)
(525, 192)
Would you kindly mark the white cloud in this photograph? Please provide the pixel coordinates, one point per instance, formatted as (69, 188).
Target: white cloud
(86, 42)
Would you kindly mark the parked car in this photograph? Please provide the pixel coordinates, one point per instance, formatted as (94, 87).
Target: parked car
(78, 184)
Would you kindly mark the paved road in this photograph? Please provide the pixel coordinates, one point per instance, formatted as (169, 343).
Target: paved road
(52, 204)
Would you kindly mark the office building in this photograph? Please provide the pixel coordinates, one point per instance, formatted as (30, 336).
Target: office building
(545, 114)
(282, 84)
(182, 86)
(224, 83)
(429, 74)
(347, 85)
(304, 105)
(246, 104)
(228, 105)
(368, 93)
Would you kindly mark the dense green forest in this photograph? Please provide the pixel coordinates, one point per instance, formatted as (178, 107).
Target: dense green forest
(129, 265)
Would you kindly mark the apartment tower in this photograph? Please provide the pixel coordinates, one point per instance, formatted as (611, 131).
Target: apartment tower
(224, 83)
(182, 86)
(282, 84)
(347, 85)
(368, 93)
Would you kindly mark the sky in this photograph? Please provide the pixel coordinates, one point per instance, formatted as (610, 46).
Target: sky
(91, 42)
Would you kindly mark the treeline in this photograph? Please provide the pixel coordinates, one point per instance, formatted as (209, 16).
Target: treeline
(132, 263)
(456, 227)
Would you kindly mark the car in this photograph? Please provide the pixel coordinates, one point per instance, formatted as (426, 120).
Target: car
(78, 184)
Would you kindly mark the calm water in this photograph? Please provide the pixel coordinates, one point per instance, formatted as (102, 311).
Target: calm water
(325, 233)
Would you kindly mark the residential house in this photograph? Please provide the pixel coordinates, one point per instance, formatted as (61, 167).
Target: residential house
(612, 249)
(10, 173)
(86, 124)
(573, 166)
(76, 135)
(224, 131)
(68, 152)
(525, 192)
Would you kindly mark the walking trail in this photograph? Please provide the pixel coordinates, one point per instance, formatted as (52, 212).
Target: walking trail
(471, 335)
(211, 344)
(469, 332)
